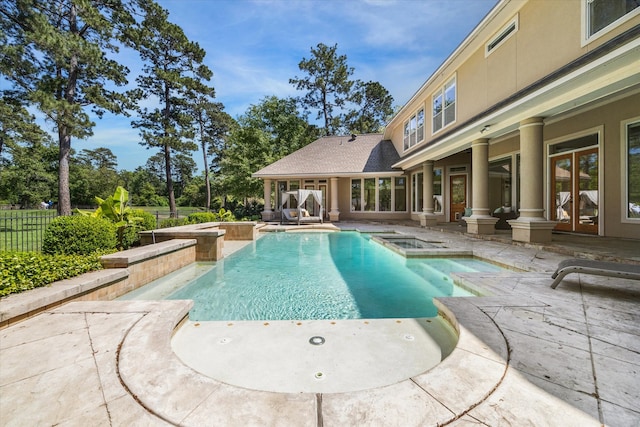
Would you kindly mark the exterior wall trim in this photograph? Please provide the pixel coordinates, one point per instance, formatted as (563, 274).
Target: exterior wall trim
(589, 57)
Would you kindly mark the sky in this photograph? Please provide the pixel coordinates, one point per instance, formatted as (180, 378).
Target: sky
(254, 47)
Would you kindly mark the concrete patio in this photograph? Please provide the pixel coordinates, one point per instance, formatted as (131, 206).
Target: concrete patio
(527, 356)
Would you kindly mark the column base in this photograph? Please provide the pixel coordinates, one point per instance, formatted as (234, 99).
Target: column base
(427, 220)
(536, 231)
(334, 216)
(267, 215)
(481, 224)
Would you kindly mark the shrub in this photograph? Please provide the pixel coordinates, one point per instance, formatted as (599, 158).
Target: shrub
(143, 221)
(21, 271)
(173, 222)
(79, 234)
(201, 217)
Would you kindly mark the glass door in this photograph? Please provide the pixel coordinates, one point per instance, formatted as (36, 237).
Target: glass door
(457, 196)
(587, 191)
(574, 195)
(562, 194)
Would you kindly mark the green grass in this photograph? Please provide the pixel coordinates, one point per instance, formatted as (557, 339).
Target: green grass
(22, 230)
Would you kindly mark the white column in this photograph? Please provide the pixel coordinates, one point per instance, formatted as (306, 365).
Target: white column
(267, 213)
(334, 213)
(531, 225)
(480, 222)
(427, 218)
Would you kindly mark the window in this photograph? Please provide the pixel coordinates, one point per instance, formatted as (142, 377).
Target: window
(369, 194)
(444, 106)
(416, 202)
(293, 186)
(356, 193)
(504, 34)
(500, 179)
(601, 15)
(400, 193)
(437, 190)
(632, 165)
(414, 129)
(420, 123)
(384, 194)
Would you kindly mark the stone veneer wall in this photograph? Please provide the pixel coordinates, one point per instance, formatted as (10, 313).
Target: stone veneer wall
(123, 272)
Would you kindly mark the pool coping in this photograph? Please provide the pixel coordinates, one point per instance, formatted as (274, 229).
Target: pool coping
(442, 394)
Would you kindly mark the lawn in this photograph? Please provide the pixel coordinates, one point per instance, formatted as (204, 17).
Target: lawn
(23, 230)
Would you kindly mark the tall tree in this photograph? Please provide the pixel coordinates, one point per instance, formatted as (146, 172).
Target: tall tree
(327, 84)
(213, 127)
(374, 108)
(55, 55)
(267, 132)
(172, 73)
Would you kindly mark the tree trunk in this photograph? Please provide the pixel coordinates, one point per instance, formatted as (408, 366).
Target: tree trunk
(172, 198)
(64, 196)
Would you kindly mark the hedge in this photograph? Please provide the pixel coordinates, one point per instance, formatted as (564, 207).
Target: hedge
(21, 271)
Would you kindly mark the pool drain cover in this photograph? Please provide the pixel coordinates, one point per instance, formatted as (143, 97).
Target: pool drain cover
(316, 340)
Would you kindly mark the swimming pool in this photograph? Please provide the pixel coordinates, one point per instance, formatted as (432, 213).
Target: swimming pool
(313, 276)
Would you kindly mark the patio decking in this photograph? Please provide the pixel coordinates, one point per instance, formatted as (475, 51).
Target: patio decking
(534, 356)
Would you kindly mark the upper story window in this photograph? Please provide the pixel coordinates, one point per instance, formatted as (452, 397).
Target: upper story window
(414, 129)
(603, 15)
(505, 33)
(444, 106)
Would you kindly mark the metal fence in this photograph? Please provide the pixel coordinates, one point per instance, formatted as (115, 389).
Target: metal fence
(23, 231)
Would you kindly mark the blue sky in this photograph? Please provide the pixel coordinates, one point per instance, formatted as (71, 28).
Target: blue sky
(254, 47)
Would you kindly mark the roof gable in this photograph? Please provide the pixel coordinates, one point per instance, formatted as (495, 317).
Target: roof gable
(336, 155)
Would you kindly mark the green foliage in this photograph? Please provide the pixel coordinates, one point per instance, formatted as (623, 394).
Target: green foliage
(116, 209)
(144, 221)
(327, 84)
(79, 235)
(201, 217)
(21, 271)
(173, 222)
(173, 73)
(59, 55)
(374, 108)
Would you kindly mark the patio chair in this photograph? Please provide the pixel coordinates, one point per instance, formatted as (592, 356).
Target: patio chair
(596, 268)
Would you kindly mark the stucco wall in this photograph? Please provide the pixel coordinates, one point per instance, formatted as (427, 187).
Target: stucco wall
(607, 117)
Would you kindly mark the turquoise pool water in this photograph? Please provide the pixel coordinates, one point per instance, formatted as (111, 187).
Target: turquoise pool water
(307, 276)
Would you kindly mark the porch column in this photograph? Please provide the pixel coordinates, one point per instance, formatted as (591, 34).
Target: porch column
(427, 218)
(267, 213)
(334, 213)
(481, 221)
(531, 225)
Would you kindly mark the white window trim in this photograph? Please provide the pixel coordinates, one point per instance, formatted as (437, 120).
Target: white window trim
(489, 49)
(624, 165)
(585, 38)
(377, 179)
(410, 139)
(441, 91)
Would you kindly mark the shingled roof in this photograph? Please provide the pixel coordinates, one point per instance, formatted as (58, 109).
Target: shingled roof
(336, 156)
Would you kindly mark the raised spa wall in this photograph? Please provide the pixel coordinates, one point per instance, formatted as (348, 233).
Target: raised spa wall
(162, 252)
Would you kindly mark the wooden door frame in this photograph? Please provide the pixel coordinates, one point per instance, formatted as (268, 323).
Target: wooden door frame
(466, 193)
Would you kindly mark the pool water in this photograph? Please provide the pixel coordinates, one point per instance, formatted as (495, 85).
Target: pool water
(309, 276)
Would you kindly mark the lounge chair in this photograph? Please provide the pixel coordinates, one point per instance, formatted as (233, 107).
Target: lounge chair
(299, 216)
(597, 268)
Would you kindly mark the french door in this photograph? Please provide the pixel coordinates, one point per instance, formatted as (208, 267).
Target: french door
(574, 191)
(457, 196)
